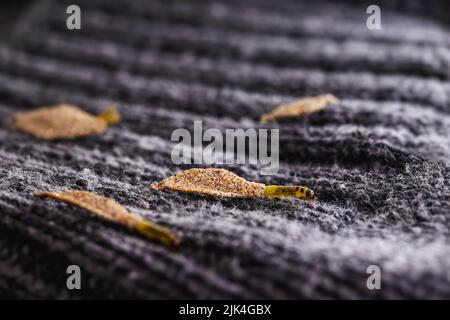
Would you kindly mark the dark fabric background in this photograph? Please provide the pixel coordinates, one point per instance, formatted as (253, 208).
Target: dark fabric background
(378, 160)
(10, 14)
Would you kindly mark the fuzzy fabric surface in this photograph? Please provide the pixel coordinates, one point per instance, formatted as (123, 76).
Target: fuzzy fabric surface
(377, 161)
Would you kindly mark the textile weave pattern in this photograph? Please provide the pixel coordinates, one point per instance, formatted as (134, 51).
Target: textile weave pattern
(378, 160)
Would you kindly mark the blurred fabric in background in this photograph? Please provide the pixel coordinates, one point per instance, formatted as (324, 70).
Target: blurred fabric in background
(10, 13)
(378, 161)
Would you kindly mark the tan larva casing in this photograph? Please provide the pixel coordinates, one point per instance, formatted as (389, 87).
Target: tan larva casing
(223, 183)
(109, 209)
(299, 107)
(63, 122)
(211, 181)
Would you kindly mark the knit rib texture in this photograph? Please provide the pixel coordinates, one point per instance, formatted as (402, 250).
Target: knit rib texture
(377, 161)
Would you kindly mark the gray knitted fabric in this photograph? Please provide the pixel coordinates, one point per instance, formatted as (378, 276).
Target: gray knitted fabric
(378, 161)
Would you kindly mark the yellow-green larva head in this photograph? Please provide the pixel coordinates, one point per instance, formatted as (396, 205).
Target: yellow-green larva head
(305, 193)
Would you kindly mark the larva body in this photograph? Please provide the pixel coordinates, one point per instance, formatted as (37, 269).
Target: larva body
(289, 192)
